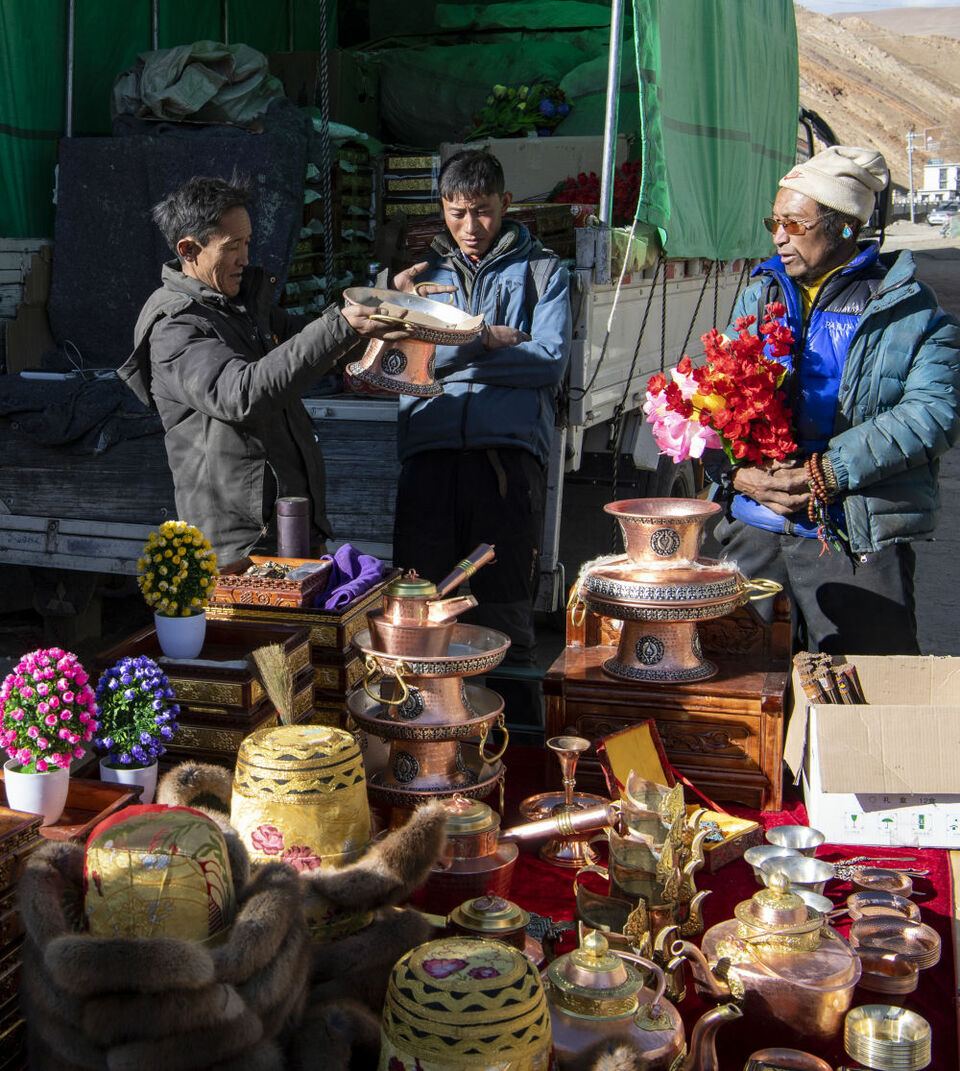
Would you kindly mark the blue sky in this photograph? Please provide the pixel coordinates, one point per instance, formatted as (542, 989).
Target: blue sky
(850, 7)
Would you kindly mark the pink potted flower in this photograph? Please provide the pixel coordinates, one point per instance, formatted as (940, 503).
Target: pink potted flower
(47, 712)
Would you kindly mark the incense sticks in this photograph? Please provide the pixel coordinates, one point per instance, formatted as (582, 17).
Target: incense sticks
(824, 682)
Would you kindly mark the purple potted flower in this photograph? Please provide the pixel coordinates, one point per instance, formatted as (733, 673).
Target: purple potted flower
(138, 717)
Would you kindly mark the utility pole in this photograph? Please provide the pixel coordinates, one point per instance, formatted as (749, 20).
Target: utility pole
(910, 136)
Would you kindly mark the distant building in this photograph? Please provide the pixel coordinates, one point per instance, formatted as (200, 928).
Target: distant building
(941, 182)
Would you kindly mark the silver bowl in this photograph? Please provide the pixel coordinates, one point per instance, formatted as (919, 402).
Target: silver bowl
(801, 838)
(762, 852)
(801, 871)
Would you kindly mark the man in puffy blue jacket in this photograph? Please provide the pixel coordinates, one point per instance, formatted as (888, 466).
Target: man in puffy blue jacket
(474, 458)
(875, 373)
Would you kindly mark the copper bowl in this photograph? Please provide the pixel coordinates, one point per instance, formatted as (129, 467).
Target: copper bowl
(915, 941)
(870, 904)
(785, 1060)
(425, 639)
(887, 972)
(662, 530)
(876, 879)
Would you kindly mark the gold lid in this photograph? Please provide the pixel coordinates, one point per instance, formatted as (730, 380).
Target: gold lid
(469, 816)
(593, 970)
(411, 585)
(490, 915)
(778, 913)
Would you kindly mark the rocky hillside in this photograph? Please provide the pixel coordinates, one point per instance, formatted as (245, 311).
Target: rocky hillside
(873, 79)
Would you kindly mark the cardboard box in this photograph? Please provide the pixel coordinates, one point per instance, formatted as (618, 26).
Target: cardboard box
(533, 166)
(886, 773)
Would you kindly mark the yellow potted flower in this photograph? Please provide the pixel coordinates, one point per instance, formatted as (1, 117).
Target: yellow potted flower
(177, 573)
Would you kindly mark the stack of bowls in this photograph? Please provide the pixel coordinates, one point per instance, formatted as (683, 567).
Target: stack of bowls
(887, 1038)
(914, 941)
(886, 972)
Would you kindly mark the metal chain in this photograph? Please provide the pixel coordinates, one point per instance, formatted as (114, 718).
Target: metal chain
(716, 292)
(696, 311)
(326, 157)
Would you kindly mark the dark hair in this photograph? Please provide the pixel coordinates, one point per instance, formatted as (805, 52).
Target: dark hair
(833, 224)
(197, 207)
(471, 173)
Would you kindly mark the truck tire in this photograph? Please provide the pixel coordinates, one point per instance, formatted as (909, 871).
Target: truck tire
(668, 481)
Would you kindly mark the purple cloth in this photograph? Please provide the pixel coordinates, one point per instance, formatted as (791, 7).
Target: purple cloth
(351, 574)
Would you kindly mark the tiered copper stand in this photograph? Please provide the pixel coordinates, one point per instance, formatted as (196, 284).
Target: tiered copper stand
(427, 712)
(660, 589)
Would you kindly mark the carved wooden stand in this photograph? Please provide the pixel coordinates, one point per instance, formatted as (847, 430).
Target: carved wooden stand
(725, 734)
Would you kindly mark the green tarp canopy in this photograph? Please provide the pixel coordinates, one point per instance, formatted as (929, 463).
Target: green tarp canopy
(709, 89)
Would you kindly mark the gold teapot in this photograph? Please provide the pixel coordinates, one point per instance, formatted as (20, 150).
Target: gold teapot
(596, 994)
(789, 970)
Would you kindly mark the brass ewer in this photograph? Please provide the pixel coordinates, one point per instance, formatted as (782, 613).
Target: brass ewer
(655, 853)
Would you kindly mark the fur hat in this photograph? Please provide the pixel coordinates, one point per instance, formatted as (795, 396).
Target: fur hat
(842, 177)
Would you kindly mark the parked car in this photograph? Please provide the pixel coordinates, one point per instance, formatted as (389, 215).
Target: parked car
(942, 213)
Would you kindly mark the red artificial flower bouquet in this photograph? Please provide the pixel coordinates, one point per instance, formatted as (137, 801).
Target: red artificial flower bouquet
(735, 401)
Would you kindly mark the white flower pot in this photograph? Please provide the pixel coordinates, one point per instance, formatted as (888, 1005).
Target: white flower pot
(144, 776)
(36, 793)
(181, 637)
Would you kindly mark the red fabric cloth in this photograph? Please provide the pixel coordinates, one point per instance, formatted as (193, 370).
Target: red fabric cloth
(548, 890)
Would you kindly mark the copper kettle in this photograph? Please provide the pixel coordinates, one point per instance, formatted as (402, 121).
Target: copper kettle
(789, 970)
(595, 994)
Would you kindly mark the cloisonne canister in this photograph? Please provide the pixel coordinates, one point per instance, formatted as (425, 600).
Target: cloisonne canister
(300, 797)
(152, 871)
(465, 1004)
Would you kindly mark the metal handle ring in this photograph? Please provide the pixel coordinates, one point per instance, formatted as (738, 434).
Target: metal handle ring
(491, 759)
(766, 589)
(444, 299)
(398, 671)
(383, 318)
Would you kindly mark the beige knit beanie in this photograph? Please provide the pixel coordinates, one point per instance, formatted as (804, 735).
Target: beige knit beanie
(842, 177)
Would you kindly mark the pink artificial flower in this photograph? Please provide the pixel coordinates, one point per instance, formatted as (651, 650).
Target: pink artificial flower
(68, 696)
(65, 715)
(79, 752)
(43, 708)
(12, 752)
(65, 734)
(62, 684)
(50, 721)
(53, 702)
(43, 743)
(27, 692)
(17, 714)
(33, 732)
(41, 766)
(24, 755)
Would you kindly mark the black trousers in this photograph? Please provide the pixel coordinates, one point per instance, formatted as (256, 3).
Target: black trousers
(837, 608)
(449, 501)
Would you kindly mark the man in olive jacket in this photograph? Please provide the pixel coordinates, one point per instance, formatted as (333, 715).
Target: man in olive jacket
(225, 369)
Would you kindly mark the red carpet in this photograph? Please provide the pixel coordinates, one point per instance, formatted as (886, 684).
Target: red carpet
(547, 890)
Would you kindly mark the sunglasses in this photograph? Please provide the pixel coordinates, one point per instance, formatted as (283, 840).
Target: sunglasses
(791, 226)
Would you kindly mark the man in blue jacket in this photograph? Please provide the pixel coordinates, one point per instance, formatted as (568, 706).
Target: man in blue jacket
(874, 380)
(474, 458)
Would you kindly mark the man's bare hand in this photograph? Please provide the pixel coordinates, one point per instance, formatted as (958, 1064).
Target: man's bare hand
(782, 487)
(406, 281)
(359, 317)
(496, 336)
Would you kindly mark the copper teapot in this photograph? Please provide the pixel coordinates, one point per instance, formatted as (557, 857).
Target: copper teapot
(596, 994)
(416, 618)
(778, 958)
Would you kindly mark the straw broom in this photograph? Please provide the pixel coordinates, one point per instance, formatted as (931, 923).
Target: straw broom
(270, 665)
